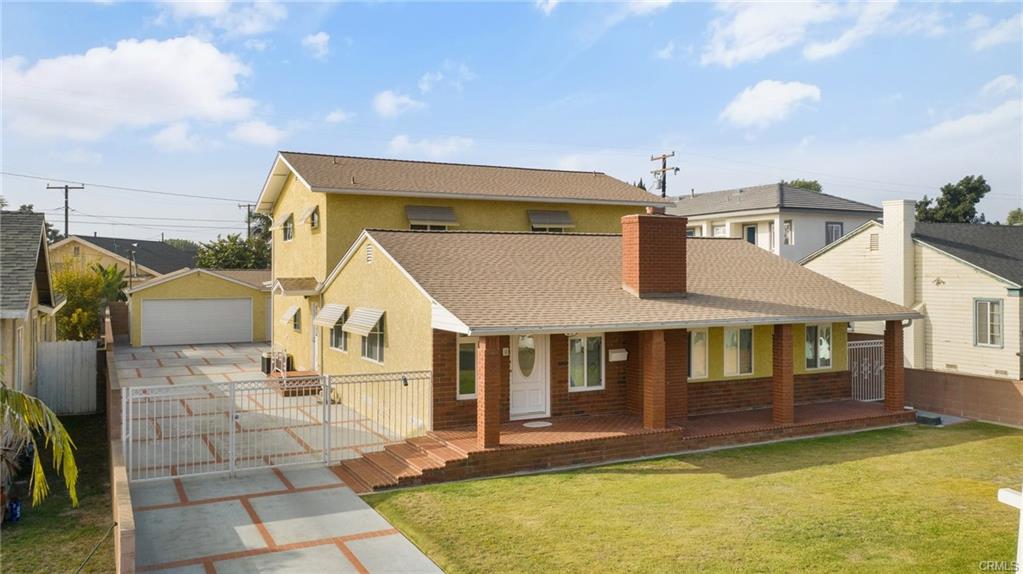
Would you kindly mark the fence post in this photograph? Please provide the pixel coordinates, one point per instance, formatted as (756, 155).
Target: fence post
(126, 428)
(231, 415)
(327, 399)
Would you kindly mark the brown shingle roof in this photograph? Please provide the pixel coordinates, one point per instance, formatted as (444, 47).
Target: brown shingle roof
(564, 282)
(297, 283)
(403, 177)
(254, 277)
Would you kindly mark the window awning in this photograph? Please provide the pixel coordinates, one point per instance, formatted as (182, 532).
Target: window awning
(362, 321)
(544, 218)
(280, 223)
(430, 215)
(289, 314)
(307, 214)
(330, 315)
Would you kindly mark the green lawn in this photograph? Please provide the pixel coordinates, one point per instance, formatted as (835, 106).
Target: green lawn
(54, 537)
(908, 499)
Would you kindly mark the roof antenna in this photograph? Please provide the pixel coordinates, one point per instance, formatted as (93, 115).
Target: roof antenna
(692, 192)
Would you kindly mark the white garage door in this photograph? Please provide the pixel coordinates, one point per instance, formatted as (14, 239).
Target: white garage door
(193, 321)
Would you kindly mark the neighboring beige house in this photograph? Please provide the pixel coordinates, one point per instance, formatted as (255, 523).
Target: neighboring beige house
(787, 221)
(27, 301)
(966, 279)
(141, 259)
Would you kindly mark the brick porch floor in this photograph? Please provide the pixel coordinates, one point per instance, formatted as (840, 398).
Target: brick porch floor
(455, 454)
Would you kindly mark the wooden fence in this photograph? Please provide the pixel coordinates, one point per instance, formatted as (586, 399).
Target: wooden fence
(67, 376)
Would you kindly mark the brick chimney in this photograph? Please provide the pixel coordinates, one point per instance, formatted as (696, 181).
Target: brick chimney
(654, 255)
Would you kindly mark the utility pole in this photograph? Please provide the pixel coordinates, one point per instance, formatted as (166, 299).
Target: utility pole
(662, 173)
(66, 189)
(248, 218)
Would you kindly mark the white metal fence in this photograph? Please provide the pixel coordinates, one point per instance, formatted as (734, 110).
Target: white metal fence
(66, 375)
(177, 430)
(866, 366)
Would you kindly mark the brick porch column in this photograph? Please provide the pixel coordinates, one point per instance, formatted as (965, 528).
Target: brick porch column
(488, 392)
(894, 368)
(783, 379)
(654, 380)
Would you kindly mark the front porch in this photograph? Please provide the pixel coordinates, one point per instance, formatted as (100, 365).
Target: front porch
(556, 442)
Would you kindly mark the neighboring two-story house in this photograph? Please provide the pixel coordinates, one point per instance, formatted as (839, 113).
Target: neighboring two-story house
(787, 221)
(966, 356)
(321, 203)
(141, 259)
(27, 301)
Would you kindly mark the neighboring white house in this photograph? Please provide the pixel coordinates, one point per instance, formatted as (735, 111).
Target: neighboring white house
(788, 221)
(966, 279)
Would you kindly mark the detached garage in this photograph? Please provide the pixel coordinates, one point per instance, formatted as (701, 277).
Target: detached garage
(198, 306)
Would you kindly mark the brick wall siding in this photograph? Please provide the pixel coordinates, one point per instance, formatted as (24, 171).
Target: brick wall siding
(722, 396)
(984, 398)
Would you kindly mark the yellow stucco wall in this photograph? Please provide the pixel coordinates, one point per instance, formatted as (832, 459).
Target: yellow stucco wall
(200, 286)
(408, 333)
(305, 255)
(87, 256)
(297, 343)
(763, 352)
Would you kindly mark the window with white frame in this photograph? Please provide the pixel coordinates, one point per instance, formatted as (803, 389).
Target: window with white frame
(314, 218)
(833, 231)
(790, 233)
(720, 231)
(288, 229)
(338, 336)
(818, 346)
(585, 362)
(466, 367)
(373, 344)
(696, 231)
(987, 324)
(698, 354)
(296, 321)
(770, 232)
(738, 351)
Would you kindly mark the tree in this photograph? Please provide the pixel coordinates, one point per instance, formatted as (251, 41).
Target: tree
(182, 244)
(808, 184)
(23, 418)
(52, 235)
(640, 184)
(957, 204)
(233, 252)
(1015, 217)
(78, 320)
(260, 226)
(112, 283)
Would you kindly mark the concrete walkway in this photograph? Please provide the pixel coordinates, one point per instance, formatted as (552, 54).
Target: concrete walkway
(282, 520)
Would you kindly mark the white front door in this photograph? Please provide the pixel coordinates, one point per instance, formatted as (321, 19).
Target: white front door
(528, 386)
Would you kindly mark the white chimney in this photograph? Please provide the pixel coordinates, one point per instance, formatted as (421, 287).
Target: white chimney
(897, 256)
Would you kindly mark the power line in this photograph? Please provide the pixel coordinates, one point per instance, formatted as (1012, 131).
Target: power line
(662, 173)
(117, 187)
(83, 214)
(66, 189)
(121, 223)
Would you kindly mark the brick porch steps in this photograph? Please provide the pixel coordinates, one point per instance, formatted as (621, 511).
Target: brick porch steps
(454, 455)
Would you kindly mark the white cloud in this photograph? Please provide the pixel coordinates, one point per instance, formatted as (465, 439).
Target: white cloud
(317, 44)
(176, 137)
(1004, 84)
(428, 80)
(256, 44)
(257, 132)
(136, 84)
(1003, 117)
(1004, 32)
(768, 102)
(977, 21)
(431, 148)
(871, 18)
(234, 18)
(80, 156)
(547, 6)
(750, 32)
(667, 52)
(642, 7)
(390, 104)
(338, 116)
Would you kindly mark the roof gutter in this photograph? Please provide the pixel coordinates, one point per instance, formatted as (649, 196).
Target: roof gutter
(475, 196)
(654, 326)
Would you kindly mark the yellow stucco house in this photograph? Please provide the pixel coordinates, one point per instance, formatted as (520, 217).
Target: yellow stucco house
(27, 301)
(196, 306)
(321, 203)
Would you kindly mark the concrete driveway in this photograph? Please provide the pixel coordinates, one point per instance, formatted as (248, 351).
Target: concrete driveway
(288, 520)
(184, 364)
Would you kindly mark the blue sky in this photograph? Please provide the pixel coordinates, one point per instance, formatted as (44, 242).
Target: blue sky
(877, 101)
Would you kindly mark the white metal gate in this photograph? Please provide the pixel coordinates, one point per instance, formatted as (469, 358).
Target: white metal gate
(177, 430)
(67, 376)
(866, 366)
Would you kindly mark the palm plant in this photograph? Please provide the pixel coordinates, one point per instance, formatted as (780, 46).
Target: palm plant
(113, 283)
(22, 418)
